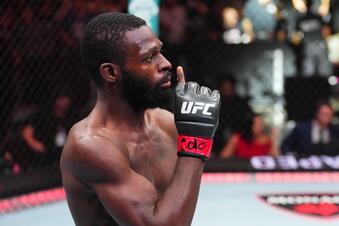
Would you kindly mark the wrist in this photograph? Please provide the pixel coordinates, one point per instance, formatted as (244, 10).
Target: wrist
(192, 146)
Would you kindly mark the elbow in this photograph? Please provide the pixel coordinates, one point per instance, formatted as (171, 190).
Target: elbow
(177, 219)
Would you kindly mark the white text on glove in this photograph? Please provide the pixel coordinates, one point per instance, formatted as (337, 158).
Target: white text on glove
(193, 107)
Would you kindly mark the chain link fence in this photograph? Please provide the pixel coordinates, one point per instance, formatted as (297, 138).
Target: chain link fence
(45, 88)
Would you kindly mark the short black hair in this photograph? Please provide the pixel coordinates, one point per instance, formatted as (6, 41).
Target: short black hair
(103, 41)
(245, 130)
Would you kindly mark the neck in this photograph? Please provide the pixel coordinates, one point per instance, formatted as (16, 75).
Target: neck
(115, 110)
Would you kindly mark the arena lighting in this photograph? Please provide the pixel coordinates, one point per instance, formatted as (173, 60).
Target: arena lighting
(269, 6)
(264, 2)
(333, 80)
(290, 162)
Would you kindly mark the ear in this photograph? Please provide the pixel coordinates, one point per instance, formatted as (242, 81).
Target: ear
(110, 72)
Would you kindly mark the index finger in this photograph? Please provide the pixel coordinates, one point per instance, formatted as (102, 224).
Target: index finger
(180, 75)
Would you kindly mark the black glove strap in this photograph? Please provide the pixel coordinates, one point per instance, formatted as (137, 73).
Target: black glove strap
(188, 154)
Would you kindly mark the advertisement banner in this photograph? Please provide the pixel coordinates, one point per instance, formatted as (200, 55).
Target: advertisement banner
(282, 163)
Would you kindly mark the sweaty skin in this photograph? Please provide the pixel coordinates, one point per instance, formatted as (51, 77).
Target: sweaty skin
(120, 167)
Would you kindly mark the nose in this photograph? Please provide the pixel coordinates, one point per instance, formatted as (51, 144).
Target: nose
(164, 64)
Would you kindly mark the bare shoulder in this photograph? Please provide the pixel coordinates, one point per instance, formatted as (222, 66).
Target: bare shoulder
(164, 119)
(163, 115)
(92, 156)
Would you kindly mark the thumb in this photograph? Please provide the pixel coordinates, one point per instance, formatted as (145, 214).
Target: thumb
(180, 75)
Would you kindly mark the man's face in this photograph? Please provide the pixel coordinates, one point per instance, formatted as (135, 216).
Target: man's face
(324, 115)
(61, 106)
(146, 75)
(258, 125)
(230, 17)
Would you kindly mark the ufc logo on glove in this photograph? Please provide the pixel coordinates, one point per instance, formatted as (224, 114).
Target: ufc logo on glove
(196, 118)
(193, 107)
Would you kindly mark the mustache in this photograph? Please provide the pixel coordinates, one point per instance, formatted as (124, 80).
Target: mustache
(166, 78)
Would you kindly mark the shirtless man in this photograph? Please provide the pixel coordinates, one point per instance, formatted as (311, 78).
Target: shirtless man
(121, 164)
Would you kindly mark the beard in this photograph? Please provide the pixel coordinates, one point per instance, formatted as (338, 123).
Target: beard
(141, 95)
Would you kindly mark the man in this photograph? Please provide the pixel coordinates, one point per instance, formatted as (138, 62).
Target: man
(311, 32)
(317, 136)
(43, 134)
(120, 164)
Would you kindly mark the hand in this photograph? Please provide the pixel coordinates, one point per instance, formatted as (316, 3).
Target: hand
(196, 117)
(39, 147)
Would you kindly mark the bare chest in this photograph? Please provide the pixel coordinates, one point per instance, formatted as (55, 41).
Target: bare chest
(154, 158)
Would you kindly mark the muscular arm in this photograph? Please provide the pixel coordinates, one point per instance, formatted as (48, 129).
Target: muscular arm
(134, 201)
(130, 198)
(178, 203)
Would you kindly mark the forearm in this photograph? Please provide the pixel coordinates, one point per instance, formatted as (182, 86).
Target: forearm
(227, 152)
(177, 204)
(137, 202)
(229, 148)
(31, 140)
(196, 118)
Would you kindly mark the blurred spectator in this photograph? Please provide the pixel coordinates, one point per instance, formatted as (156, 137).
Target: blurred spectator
(261, 15)
(173, 21)
(236, 30)
(44, 133)
(281, 27)
(39, 43)
(214, 25)
(317, 136)
(198, 12)
(251, 140)
(232, 112)
(311, 33)
(333, 40)
(81, 12)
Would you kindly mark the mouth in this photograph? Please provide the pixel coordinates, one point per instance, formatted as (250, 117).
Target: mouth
(166, 85)
(166, 82)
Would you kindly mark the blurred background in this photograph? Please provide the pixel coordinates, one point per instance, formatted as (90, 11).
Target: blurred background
(275, 62)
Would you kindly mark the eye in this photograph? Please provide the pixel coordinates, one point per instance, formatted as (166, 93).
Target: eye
(149, 59)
